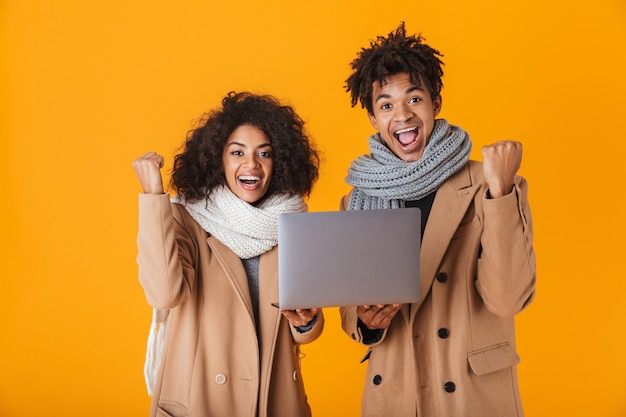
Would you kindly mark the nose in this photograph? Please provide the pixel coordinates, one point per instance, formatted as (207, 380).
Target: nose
(250, 161)
(403, 113)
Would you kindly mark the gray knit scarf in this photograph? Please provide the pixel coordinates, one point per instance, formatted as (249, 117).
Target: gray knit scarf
(246, 229)
(382, 180)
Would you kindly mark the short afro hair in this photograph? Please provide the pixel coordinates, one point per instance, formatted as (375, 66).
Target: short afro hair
(386, 56)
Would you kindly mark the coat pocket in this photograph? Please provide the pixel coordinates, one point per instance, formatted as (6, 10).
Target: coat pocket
(493, 358)
(171, 409)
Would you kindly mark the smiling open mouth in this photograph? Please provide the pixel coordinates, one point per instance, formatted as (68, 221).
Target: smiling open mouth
(406, 136)
(249, 179)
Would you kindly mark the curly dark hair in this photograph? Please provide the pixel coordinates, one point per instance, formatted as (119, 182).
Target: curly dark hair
(198, 168)
(395, 54)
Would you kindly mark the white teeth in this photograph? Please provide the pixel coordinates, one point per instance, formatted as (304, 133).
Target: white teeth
(248, 178)
(408, 129)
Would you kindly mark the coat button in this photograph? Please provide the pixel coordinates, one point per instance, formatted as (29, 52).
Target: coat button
(443, 333)
(220, 379)
(377, 379)
(442, 277)
(295, 375)
(449, 386)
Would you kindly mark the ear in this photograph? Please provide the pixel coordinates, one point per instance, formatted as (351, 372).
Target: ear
(437, 105)
(373, 120)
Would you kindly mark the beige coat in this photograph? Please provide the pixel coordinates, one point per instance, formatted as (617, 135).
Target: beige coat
(452, 354)
(214, 364)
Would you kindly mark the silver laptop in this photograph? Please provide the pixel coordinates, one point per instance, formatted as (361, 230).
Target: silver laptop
(345, 258)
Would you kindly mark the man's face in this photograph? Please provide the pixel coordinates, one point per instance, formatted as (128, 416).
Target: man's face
(404, 115)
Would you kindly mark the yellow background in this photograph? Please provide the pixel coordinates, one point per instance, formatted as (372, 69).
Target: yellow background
(87, 86)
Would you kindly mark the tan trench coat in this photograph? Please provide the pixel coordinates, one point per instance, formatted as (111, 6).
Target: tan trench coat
(213, 363)
(452, 354)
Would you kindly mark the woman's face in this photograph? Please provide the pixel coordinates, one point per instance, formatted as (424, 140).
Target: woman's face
(248, 161)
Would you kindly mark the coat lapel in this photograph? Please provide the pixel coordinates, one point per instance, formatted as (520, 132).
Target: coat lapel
(451, 202)
(268, 287)
(268, 293)
(234, 270)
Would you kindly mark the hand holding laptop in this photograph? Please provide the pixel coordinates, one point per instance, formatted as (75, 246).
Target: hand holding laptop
(378, 317)
(300, 317)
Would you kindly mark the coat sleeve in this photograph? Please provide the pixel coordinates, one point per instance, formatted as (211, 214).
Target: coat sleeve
(311, 335)
(506, 266)
(165, 253)
(350, 325)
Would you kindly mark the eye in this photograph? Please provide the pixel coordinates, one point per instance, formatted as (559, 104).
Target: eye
(385, 106)
(266, 154)
(236, 153)
(414, 100)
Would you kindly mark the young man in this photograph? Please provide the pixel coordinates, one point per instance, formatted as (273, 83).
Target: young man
(453, 352)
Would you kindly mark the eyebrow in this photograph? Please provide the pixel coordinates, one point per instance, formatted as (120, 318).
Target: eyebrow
(408, 91)
(263, 145)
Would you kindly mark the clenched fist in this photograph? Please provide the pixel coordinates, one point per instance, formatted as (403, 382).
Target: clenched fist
(148, 169)
(501, 160)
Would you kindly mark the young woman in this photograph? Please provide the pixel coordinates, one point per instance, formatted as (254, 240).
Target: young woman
(209, 257)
